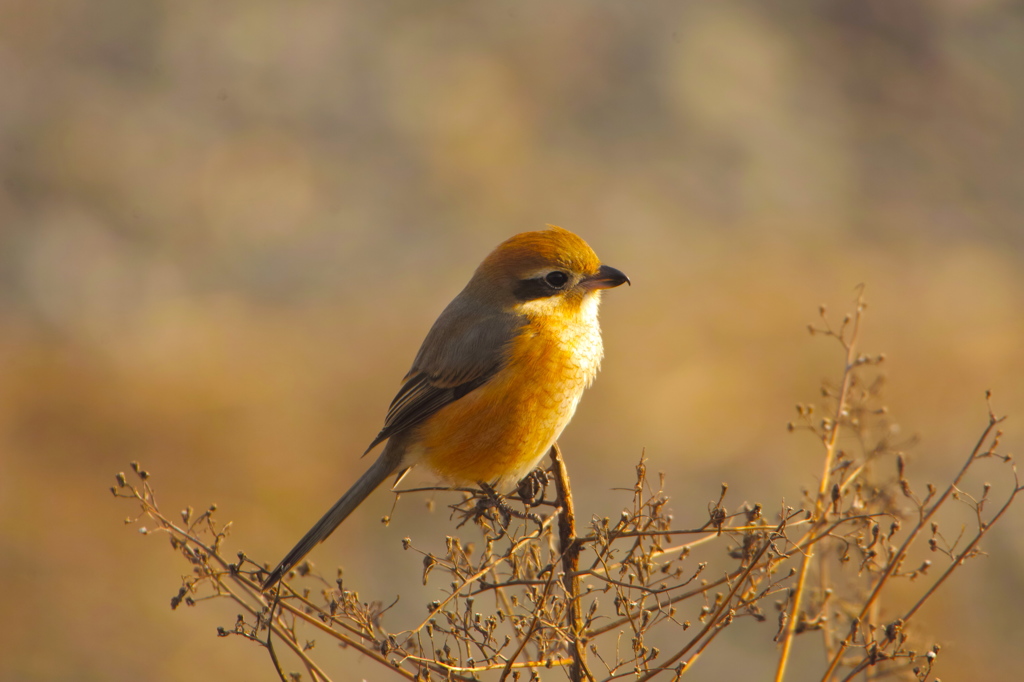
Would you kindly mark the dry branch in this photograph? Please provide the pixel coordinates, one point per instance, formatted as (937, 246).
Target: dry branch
(592, 601)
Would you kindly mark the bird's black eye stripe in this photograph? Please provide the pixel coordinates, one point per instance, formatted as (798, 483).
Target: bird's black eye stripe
(542, 286)
(556, 279)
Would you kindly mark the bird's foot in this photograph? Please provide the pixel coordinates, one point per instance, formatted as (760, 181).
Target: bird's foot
(533, 487)
(493, 499)
(493, 509)
(490, 511)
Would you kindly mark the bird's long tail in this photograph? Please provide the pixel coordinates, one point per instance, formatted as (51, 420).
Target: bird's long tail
(386, 464)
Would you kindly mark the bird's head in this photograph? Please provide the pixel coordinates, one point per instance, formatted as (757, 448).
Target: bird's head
(537, 270)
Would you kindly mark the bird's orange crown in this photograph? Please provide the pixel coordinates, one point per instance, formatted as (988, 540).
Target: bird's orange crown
(527, 251)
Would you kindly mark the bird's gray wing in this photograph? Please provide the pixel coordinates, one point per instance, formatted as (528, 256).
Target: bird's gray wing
(462, 351)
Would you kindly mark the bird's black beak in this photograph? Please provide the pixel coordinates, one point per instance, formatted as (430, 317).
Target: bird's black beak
(606, 277)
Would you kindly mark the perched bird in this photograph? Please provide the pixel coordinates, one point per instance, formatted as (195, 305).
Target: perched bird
(498, 376)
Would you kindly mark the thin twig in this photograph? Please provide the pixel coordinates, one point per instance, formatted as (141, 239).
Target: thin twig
(901, 552)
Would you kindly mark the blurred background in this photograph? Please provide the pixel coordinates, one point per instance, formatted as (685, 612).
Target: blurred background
(225, 228)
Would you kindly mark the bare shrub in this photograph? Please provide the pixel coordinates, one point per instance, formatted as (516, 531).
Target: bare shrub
(537, 590)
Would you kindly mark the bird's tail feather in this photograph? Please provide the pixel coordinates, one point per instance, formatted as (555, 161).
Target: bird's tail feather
(385, 465)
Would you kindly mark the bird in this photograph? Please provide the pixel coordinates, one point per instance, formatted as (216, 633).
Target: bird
(497, 378)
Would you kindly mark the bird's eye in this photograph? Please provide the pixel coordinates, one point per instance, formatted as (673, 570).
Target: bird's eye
(556, 279)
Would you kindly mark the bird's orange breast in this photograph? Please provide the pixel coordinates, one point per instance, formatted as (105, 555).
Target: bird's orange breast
(499, 432)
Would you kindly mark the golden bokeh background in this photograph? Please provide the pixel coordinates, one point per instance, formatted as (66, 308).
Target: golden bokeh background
(225, 228)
